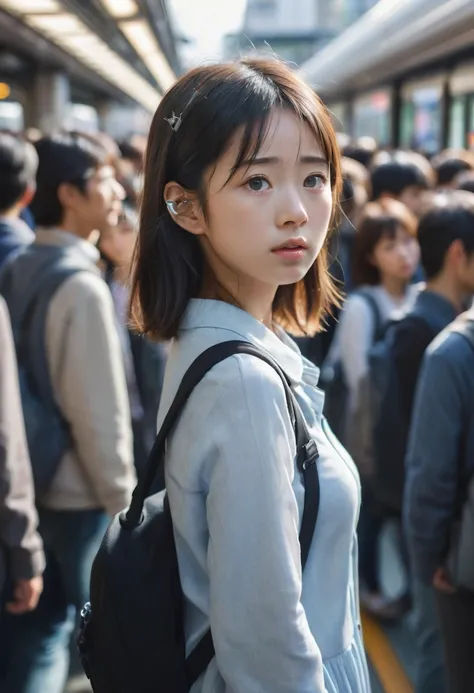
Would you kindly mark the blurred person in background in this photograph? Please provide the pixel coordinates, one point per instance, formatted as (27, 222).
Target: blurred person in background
(465, 181)
(449, 164)
(22, 559)
(446, 236)
(144, 360)
(77, 197)
(400, 178)
(362, 150)
(18, 164)
(386, 257)
(130, 167)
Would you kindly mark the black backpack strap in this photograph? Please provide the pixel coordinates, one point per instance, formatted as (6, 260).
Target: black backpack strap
(307, 454)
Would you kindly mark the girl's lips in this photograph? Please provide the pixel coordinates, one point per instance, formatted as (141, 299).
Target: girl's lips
(291, 253)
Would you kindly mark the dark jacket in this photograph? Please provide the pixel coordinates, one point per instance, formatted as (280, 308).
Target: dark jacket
(441, 450)
(21, 551)
(412, 340)
(14, 235)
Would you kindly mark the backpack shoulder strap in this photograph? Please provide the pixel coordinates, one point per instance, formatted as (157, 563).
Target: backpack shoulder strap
(31, 331)
(371, 301)
(307, 454)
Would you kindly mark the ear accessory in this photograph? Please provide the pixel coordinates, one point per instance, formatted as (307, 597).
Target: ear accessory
(173, 206)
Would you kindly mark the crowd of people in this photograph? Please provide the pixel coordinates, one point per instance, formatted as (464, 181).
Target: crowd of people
(67, 234)
(396, 357)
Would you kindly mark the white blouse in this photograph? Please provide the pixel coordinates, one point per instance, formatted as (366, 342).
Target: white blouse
(236, 499)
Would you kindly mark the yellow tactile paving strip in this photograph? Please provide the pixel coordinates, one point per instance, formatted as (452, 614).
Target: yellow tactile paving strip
(383, 659)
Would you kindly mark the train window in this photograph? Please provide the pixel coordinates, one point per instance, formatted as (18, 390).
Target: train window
(373, 116)
(456, 138)
(407, 125)
(422, 120)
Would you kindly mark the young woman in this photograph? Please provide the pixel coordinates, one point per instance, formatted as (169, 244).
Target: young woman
(242, 179)
(144, 360)
(386, 257)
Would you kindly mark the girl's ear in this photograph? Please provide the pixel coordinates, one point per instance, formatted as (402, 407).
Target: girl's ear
(184, 208)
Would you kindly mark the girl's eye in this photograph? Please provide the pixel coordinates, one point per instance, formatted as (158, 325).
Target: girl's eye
(258, 184)
(315, 181)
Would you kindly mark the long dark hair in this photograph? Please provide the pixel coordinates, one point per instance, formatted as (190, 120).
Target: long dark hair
(212, 103)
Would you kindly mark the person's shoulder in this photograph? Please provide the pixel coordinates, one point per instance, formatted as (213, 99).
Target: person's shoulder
(452, 347)
(84, 285)
(242, 375)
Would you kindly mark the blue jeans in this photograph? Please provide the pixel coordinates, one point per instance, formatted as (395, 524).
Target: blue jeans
(430, 666)
(36, 646)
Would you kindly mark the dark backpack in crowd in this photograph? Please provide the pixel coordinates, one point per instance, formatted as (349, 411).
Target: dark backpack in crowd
(28, 283)
(132, 633)
(333, 379)
(387, 426)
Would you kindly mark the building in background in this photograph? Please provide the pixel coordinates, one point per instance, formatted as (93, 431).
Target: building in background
(292, 30)
(349, 11)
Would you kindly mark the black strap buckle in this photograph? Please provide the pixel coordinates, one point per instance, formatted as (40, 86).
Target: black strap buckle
(307, 455)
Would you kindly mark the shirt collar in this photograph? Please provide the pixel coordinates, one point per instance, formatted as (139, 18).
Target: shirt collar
(241, 325)
(64, 239)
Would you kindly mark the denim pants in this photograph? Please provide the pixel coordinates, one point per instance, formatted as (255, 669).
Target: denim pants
(430, 666)
(35, 647)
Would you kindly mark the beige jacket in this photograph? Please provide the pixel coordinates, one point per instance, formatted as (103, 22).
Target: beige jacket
(88, 381)
(21, 548)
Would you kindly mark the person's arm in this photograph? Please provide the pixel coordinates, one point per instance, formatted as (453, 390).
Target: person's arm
(18, 517)
(261, 634)
(86, 360)
(355, 335)
(433, 459)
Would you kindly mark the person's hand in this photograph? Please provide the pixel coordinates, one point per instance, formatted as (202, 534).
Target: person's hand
(442, 582)
(26, 596)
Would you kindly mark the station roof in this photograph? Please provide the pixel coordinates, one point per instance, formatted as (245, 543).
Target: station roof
(125, 46)
(395, 37)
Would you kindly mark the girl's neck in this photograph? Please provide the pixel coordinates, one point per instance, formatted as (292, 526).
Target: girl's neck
(122, 274)
(396, 288)
(260, 307)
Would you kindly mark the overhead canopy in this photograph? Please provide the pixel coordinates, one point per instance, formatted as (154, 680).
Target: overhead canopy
(393, 37)
(112, 39)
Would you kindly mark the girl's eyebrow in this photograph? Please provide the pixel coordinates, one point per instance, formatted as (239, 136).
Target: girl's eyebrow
(272, 160)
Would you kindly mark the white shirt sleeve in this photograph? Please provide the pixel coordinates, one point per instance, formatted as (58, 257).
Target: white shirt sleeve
(356, 332)
(260, 630)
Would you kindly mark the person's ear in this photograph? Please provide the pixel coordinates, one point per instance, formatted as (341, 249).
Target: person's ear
(27, 197)
(184, 208)
(68, 195)
(456, 255)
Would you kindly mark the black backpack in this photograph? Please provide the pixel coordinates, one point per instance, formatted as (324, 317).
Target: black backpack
(132, 632)
(386, 416)
(28, 283)
(333, 379)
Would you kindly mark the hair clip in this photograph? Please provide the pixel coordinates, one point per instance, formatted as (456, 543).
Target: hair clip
(175, 121)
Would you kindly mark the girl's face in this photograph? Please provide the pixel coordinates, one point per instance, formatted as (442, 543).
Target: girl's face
(397, 257)
(118, 243)
(266, 226)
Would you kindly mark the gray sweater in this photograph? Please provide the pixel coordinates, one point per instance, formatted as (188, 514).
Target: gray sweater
(236, 500)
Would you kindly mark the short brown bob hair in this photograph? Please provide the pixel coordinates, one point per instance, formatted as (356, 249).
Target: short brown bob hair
(380, 219)
(214, 102)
